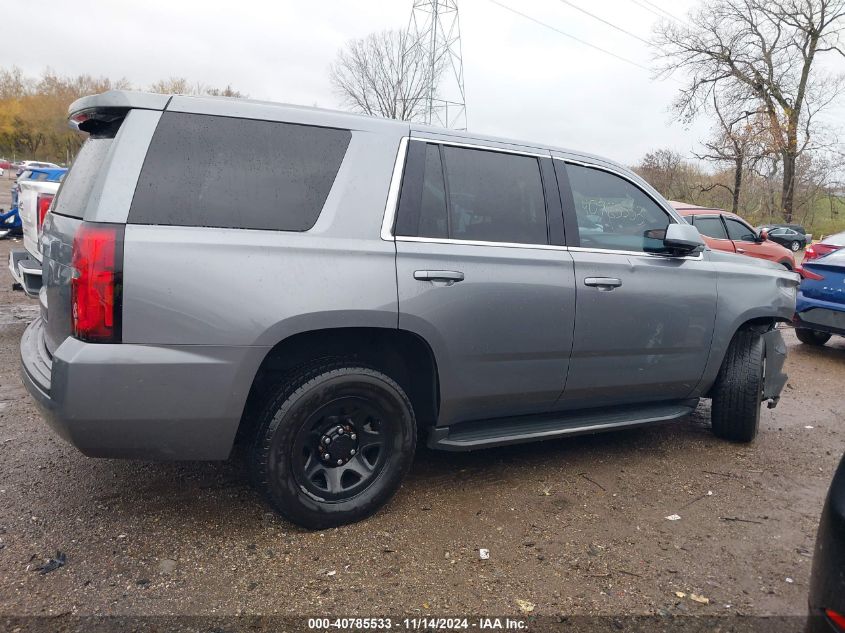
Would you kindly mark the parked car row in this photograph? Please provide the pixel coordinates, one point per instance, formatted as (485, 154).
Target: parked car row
(724, 231)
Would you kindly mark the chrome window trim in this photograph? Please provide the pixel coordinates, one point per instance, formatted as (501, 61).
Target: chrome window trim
(446, 240)
(542, 247)
(392, 205)
(393, 191)
(668, 209)
(396, 182)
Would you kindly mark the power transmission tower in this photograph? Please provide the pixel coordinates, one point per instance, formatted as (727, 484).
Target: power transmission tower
(436, 29)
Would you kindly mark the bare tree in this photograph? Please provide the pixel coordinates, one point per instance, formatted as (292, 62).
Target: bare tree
(762, 53)
(739, 141)
(181, 86)
(385, 74)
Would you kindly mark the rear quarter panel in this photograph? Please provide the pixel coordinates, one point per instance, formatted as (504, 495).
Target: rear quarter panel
(213, 286)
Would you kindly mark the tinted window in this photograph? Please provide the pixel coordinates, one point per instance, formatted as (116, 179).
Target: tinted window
(739, 231)
(495, 197)
(711, 227)
(77, 185)
(614, 214)
(227, 172)
(433, 221)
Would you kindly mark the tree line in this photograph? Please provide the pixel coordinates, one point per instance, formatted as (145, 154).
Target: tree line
(33, 110)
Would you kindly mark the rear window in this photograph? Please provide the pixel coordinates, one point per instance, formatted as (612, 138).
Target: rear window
(226, 172)
(77, 185)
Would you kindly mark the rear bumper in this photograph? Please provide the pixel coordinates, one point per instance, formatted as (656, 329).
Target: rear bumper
(140, 401)
(817, 314)
(26, 271)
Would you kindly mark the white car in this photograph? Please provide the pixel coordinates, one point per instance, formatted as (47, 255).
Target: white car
(35, 164)
(34, 199)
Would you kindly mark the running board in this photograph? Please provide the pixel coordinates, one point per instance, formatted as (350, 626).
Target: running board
(468, 436)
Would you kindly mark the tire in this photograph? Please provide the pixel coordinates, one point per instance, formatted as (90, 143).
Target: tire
(795, 247)
(323, 412)
(812, 337)
(738, 391)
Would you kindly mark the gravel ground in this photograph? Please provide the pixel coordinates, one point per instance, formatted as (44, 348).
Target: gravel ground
(573, 527)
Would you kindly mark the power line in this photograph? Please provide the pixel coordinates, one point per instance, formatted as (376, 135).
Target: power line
(610, 24)
(664, 11)
(572, 37)
(660, 15)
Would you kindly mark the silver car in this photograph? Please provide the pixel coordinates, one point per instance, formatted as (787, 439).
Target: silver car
(329, 287)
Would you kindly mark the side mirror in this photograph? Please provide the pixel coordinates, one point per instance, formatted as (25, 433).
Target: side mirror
(764, 235)
(683, 239)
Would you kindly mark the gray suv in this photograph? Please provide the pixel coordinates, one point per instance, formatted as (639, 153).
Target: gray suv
(328, 288)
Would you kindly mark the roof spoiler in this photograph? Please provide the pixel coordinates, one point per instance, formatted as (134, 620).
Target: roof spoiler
(90, 113)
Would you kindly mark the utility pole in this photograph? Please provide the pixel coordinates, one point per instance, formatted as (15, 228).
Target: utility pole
(435, 27)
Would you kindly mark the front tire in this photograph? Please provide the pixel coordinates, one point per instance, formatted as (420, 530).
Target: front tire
(333, 444)
(812, 337)
(738, 391)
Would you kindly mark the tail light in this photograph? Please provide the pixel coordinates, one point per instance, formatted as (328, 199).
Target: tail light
(97, 282)
(809, 274)
(810, 252)
(42, 206)
(836, 618)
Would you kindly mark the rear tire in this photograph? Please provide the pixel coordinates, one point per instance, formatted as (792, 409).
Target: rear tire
(333, 443)
(795, 247)
(812, 337)
(738, 391)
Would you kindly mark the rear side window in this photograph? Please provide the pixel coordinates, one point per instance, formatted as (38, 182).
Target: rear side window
(77, 185)
(237, 173)
(711, 227)
(474, 195)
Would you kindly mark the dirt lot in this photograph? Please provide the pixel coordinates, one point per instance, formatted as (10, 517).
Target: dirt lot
(574, 527)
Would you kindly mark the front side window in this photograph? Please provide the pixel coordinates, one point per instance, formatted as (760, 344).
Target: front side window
(711, 227)
(740, 232)
(614, 214)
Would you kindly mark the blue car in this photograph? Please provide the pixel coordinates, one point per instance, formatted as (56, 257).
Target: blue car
(820, 309)
(10, 221)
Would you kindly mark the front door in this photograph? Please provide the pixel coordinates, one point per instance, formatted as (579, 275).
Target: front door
(480, 279)
(644, 319)
(713, 231)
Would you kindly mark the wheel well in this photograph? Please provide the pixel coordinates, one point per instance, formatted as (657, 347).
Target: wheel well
(785, 263)
(400, 354)
(759, 324)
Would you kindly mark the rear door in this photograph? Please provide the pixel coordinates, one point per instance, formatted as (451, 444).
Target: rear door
(644, 321)
(483, 276)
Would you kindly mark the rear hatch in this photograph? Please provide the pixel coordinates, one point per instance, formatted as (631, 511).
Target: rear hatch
(63, 223)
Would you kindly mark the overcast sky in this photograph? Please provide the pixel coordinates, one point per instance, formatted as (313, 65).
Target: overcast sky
(522, 80)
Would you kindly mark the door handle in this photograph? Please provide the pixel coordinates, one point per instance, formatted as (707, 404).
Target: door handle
(603, 283)
(740, 250)
(449, 277)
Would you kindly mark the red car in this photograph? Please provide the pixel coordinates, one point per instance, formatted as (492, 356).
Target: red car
(725, 231)
(827, 245)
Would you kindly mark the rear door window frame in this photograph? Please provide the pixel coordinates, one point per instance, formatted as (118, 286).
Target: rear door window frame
(410, 182)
